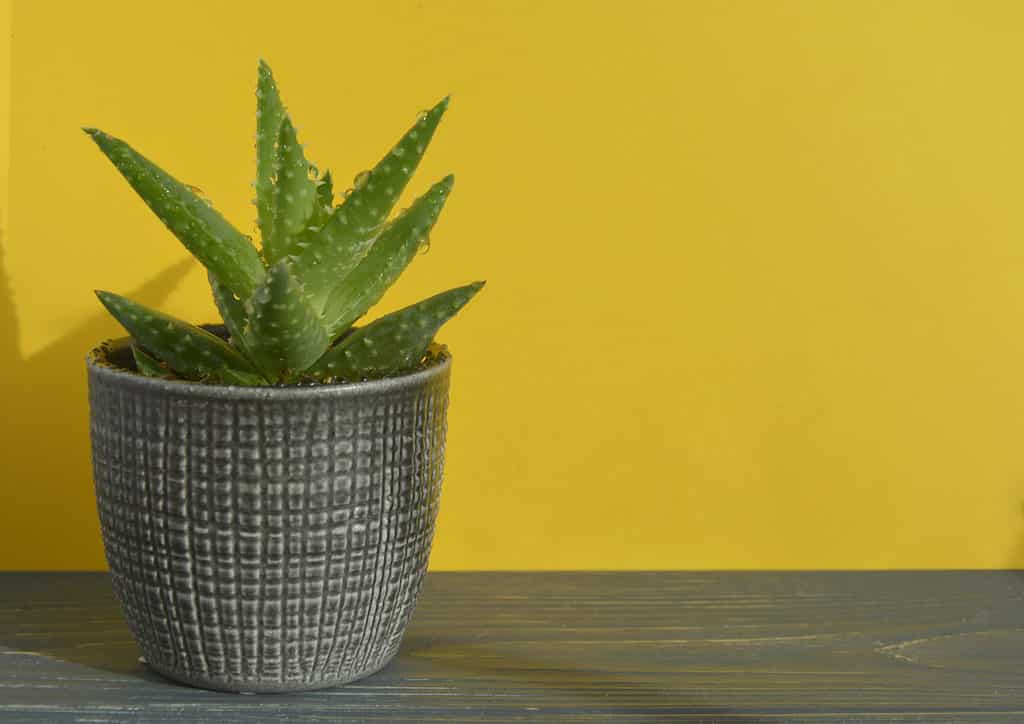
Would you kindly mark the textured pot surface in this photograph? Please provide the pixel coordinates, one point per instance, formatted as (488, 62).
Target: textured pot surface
(267, 539)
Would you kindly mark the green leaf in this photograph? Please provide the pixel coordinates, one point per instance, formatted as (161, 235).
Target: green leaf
(216, 243)
(396, 342)
(285, 335)
(269, 113)
(232, 311)
(188, 350)
(324, 201)
(336, 249)
(294, 195)
(386, 260)
(322, 210)
(148, 365)
(229, 376)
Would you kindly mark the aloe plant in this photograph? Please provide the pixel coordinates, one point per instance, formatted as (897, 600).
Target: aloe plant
(289, 307)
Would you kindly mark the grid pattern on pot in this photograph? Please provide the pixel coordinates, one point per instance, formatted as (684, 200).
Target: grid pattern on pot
(266, 541)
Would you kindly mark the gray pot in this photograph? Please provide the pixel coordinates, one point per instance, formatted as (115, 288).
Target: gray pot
(266, 539)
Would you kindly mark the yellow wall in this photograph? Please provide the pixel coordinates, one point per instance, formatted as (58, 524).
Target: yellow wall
(756, 269)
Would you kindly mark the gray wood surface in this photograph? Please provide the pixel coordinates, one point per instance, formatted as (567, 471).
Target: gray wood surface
(581, 647)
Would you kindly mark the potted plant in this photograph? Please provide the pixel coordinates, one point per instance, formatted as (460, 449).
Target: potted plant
(267, 488)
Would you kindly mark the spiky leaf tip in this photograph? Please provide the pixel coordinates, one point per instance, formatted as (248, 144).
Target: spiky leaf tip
(325, 191)
(218, 245)
(339, 245)
(396, 342)
(376, 193)
(190, 351)
(269, 113)
(390, 254)
(284, 334)
(324, 201)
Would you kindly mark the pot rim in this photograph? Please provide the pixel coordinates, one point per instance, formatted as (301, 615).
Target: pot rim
(102, 369)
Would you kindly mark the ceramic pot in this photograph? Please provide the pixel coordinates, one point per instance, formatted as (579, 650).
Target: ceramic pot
(266, 539)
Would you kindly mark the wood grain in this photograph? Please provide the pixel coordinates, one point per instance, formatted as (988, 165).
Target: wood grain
(579, 647)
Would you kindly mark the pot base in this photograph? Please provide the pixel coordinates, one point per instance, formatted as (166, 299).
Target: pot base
(275, 687)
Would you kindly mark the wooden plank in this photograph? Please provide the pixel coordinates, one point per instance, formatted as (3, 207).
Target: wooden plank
(579, 647)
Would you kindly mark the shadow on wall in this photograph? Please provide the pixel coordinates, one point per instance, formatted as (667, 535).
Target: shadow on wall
(48, 516)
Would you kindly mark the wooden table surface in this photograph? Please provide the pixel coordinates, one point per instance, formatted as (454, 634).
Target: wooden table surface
(580, 647)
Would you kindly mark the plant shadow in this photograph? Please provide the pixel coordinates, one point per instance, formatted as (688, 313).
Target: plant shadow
(519, 679)
(49, 506)
(558, 678)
